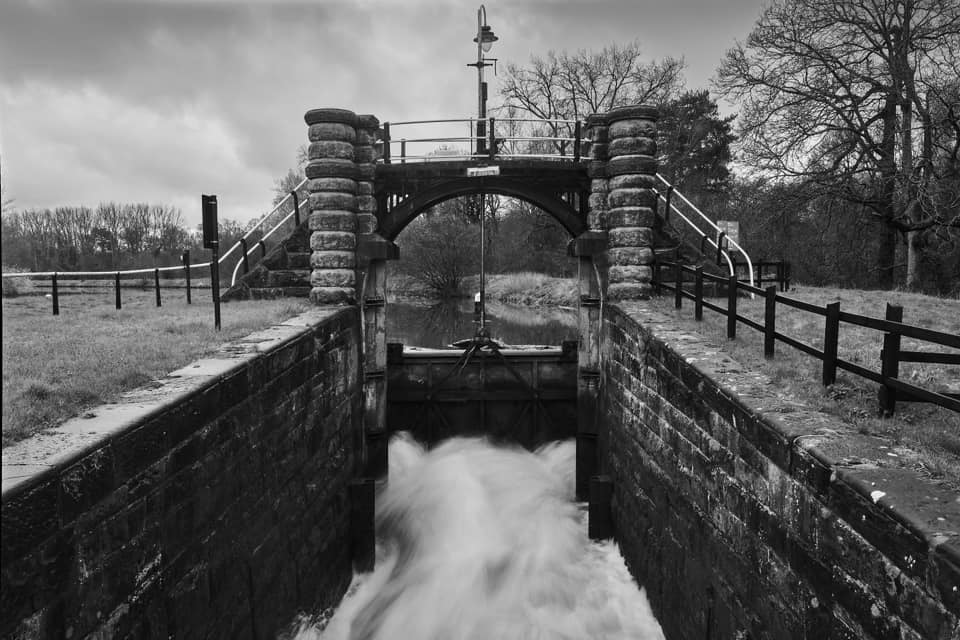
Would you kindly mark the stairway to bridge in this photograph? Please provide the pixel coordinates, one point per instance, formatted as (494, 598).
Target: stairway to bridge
(365, 184)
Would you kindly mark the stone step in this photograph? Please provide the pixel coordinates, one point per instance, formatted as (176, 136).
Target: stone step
(298, 260)
(271, 293)
(288, 278)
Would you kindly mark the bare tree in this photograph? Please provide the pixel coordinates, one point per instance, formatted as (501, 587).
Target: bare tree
(859, 97)
(571, 86)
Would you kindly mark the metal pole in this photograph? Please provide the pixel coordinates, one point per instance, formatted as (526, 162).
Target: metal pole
(481, 97)
(483, 273)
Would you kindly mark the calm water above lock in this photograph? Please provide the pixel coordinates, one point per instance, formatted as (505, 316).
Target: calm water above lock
(440, 324)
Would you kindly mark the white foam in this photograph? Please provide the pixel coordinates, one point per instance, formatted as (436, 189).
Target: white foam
(485, 543)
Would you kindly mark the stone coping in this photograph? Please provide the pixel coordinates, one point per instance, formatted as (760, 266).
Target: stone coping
(29, 461)
(925, 509)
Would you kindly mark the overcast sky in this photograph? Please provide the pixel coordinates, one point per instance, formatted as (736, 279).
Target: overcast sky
(162, 100)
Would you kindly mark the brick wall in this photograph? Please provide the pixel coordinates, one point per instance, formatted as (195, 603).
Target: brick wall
(211, 506)
(746, 516)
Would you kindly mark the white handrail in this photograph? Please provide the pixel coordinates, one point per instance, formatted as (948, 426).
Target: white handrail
(704, 235)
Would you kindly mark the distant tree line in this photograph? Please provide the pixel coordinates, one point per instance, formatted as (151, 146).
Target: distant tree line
(107, 237)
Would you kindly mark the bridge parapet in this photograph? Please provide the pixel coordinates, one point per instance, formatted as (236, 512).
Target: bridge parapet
(597, 175)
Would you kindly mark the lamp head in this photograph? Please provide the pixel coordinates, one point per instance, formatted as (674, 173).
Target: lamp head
(487, 37)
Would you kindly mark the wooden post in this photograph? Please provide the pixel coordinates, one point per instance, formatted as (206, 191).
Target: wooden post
(362, 538)
(55, 295)
(296, 209)
(666, 207)
(116, 282)
(698, 294)
(678, 283)
(890, 362)
(589, 320)
(599, 511)
(731, 307)
(770, 322)
(831, 336)
(156, 284)
(246, 259)
(186, 268)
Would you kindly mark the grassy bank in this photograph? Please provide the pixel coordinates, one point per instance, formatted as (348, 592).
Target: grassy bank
(922, 436)
(535, 289)
(56, 367)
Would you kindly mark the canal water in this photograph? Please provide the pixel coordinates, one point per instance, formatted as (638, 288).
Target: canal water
(478, 542)
(440, 324)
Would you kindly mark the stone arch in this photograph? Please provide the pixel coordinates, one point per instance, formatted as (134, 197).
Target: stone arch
(392, 223)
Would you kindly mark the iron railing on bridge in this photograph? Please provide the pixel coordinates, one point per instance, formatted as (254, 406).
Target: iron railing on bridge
(506, 138)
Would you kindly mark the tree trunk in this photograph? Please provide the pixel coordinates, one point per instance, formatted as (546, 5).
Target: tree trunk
(914, 254)
(886, 255)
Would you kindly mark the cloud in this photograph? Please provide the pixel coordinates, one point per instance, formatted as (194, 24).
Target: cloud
(165, 99)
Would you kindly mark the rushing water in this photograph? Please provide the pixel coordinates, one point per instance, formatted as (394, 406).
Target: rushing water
(485, 543)
(443, 323)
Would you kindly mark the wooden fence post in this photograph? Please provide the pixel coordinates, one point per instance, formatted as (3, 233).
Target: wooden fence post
(831, 335)
(116, 285)
(770, 322)
(890, 362)
(156, 284)
(698, 294)
(731, 307)
(56, 295)
(186, 269)
(677, 283)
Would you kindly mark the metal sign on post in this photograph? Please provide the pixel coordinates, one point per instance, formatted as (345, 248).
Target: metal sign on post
(731, 231)
(211, 240)
(479, 172)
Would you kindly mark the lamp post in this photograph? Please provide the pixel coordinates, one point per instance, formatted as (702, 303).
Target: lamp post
(485, 39)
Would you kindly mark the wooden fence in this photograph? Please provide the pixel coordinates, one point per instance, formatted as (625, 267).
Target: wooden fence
(892, 388)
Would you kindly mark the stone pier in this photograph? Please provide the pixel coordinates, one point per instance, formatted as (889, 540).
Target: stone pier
(631, 178)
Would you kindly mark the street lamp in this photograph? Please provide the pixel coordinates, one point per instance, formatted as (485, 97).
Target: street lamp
(485, 39)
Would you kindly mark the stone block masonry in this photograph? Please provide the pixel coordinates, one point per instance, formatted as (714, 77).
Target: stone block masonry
(630, 170)
(334, 183)
(214, 505)
(748, 516)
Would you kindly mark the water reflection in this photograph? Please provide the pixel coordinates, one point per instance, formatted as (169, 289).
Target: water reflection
(442, 323)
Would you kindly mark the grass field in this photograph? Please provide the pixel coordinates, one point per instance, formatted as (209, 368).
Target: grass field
(922, 436)
(56, 367)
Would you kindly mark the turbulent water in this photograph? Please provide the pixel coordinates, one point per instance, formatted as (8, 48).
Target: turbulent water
(485, 543)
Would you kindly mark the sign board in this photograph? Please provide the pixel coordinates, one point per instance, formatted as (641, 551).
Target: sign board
(476, 172)
(211, 234)
(730, 228)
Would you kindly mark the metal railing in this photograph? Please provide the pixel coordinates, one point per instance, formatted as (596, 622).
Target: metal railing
(563, 140)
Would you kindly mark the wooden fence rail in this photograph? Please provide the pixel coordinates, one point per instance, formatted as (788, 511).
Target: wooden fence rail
(892, 388)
